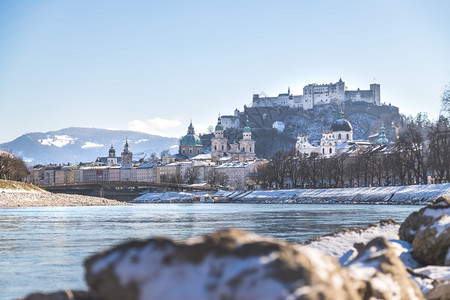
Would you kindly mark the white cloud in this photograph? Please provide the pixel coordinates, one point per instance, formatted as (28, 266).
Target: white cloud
(158, 126)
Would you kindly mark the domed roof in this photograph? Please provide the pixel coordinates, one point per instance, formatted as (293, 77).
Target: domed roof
(190, 140)
(247, 127)
(341, 124)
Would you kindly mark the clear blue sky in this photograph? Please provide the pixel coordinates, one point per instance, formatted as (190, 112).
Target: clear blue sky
(154, 65)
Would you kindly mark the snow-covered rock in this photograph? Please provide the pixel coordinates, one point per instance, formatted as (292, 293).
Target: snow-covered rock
(419, 220)
(229, 264)
(431, 244)
(382, 272)
(429, 232)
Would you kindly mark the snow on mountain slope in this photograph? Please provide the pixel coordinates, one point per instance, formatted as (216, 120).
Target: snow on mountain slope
(74, 145)
(57, 140)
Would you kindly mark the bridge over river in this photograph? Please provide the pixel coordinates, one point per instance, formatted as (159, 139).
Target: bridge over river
(120, 190)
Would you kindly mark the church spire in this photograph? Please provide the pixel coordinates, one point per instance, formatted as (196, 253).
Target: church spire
(219, 126)
(382, 140)
(191, 129)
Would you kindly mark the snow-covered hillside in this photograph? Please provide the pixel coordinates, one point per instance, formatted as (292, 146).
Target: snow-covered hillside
(73, 145)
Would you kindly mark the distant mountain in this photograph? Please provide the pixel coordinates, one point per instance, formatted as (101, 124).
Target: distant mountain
(74, 145)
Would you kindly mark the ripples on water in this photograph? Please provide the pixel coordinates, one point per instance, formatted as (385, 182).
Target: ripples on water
(44, 248)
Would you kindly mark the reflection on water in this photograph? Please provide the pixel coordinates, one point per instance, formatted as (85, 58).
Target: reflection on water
(44, 248)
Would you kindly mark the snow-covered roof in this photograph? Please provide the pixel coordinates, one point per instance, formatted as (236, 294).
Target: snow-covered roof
(147, 165)
(236, 164)
(202, 157)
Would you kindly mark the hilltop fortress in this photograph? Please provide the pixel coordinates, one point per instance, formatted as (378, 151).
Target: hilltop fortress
(320, 94)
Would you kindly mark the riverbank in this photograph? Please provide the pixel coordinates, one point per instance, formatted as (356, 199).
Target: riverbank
(18, 194)
(399, 195)
(23, 199)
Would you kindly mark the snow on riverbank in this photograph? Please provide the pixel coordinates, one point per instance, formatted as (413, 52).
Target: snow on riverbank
(413, 194)
(168, 197)
(340, 244)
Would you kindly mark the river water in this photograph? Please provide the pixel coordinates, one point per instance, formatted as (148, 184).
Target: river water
(43, 249)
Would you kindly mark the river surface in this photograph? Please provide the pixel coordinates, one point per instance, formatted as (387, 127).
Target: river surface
(43, 249)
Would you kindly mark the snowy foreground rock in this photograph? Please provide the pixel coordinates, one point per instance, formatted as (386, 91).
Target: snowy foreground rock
(369, 263)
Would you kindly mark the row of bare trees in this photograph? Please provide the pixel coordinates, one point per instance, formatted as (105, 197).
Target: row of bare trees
(12, 168)
(192, 175)
(421, 151)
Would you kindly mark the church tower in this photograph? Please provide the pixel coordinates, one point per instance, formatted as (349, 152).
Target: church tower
(127, 156)
(112, 159)
(247, 145)
(218, 142)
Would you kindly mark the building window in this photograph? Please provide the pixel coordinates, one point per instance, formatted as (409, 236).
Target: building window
(222, 147)
(331, 150)
(323, 150)
(215, 147)
(250, 149)
(347, 136)
(339, 136)
(190, 151)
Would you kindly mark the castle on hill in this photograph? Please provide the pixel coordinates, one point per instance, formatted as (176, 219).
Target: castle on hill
(320, 94)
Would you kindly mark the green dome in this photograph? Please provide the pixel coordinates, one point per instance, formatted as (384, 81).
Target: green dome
(190, 140)
(247, 127)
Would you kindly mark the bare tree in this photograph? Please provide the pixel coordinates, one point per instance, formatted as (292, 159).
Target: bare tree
(191, 175)
(412, 144)
(279, 168)
(292, 165)
(217, 178)
(12, 168)
(445, 102)
(153, 157)
(164, 153)
(439, 145)
(262, 175)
